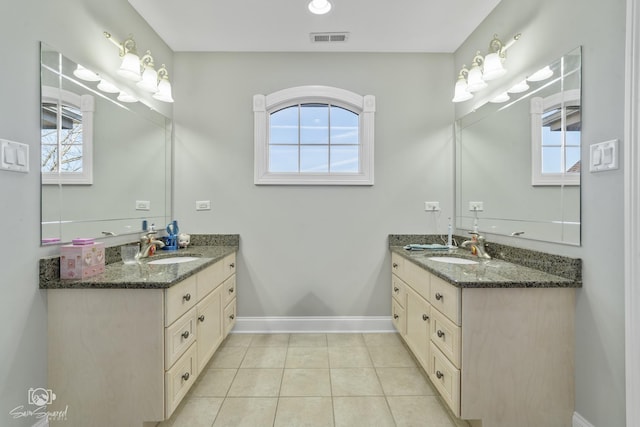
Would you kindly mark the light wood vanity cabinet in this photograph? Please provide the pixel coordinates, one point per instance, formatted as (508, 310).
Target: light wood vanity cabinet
(500, 355)
(128, 356)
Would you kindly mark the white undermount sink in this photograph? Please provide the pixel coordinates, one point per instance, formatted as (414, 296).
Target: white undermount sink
(452, 260)
(173, 260)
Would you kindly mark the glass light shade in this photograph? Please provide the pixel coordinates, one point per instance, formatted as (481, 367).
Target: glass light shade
(474, 79)
(86, 74)
(493, 67)
(164, 91)
(107, 87)
(149, 80)
(461, 93)
(125, 97)
(541, 74)
(130, 68)
(319, 7)
(503, 97)
(519, 87)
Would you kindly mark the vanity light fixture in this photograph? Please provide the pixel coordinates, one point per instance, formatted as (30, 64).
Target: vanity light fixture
(461, 91)
(319, 7)
(475, 81)
(107, 87)
(86, 74)
(542, 74)
(519, 87)
(149, 80)
(493, 62)
(164, 86)
(130, 67)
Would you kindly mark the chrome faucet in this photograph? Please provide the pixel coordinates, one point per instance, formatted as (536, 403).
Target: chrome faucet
(149, 243)
(477, 245)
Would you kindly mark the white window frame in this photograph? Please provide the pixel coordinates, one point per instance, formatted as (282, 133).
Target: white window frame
(264, 105)
(86, 104)
(538, 107)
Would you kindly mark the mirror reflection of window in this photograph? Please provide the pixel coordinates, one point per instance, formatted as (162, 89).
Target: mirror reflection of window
(66, 137)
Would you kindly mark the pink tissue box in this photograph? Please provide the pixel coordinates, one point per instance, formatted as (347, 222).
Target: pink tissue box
(81, 261)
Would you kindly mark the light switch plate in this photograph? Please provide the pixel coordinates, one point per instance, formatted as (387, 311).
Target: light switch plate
(603, 156)
(476, 206)
(143, 205)
(14, 156)
(203, 205)
(431, 206)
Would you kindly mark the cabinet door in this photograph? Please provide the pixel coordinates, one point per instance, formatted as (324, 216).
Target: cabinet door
(209, 326)
(418, 315)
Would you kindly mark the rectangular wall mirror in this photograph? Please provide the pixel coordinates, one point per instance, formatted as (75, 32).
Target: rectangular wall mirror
(521, 159)
(105, 164)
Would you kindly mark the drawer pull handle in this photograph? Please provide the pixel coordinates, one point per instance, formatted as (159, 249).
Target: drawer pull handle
(395, 265)
(395, 316)
(187, 297)
(201, 318)
(232, 265)
(396, 290)
(425, 317)
(185, 334)
(231, 290)
(232, 317)
(439, 375)
(440, 333)
(185, 376)
(439, 296)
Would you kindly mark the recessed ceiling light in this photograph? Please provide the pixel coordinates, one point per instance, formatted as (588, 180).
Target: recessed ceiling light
(319, 7)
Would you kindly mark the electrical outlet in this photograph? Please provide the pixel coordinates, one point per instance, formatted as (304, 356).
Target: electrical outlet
(476, 206)
(431, 206)
(203, 205)
(143, 205)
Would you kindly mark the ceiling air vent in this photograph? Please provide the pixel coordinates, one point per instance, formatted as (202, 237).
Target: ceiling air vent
(329, 37)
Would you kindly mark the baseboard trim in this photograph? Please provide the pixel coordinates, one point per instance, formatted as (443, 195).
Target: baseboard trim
(579, 421)
(310, 324)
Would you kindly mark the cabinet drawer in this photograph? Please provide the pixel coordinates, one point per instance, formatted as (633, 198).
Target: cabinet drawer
(397, 265)
(178, 337)
(446, 378)
(179, 378)
(398, 290)
(398, 317)
(179, 299)
(446, 336)
(229, 263)
(228, 290)
(229, 317)
(418, 279)
(209, 279)
(446, 298)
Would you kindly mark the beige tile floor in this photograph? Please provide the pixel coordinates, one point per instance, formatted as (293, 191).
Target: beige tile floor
(300, 380)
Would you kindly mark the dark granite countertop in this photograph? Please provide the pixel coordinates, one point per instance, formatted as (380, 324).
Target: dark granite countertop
(145, 275)
(496, 272)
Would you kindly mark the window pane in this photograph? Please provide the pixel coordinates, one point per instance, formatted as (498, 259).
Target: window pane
(314, 159)
(314, 124)
(551, 160)
(283, 158)
(345, 158)
(71, 158)
(551, 137)
(344, 126)
(283, 127)
(572, 139)
(573, 159)
(49, 158)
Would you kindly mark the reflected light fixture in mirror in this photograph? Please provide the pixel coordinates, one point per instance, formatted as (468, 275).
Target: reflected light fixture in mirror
(125, 97)
(85, 74)
(519, 87)
(319, 7)
(503, 97)
(107, 87)
(541, 74)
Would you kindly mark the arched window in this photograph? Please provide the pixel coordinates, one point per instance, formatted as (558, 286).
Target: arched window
(313, 135)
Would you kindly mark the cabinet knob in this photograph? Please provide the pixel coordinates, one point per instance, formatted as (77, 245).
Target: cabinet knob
(185, 376)
(440, 333)
(232, 316)
(201, 318)
(231, 290)
(439, 374)
(425, 317)
(396, 290)
(395, 265)
(439, 296)
(395, 316)
(185, 334)
(232, 265)
(187, 297)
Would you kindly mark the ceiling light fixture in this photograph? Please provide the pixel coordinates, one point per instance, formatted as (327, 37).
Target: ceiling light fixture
(319, 7)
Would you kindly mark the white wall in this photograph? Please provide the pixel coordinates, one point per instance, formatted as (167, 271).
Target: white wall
(551, 28)
(74, 27)
(318, 251)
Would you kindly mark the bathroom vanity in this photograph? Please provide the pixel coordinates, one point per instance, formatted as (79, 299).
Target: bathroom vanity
(126, 346)
(495, 338)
